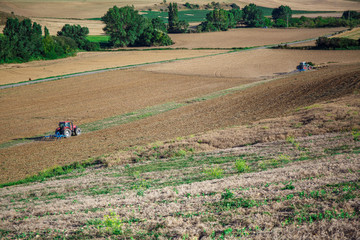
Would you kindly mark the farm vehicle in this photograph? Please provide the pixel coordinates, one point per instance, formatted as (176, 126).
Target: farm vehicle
(67, 129)
(304, 66)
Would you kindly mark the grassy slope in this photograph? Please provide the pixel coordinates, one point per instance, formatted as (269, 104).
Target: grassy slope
(298, 186)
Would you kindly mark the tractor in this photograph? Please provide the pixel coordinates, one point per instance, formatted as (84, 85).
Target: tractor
(67, 129)
(304, 66)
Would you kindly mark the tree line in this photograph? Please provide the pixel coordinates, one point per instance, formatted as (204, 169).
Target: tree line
(23, 41)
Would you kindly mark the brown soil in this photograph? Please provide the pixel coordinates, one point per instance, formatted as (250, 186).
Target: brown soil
(38, 108)
(256, 64)
(272, 99)
(247, 37)
(87, 61)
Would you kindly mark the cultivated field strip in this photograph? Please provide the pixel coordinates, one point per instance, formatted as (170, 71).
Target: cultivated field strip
(298, 187)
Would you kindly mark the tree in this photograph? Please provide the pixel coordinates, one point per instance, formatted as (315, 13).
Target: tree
(25, 39)
(253, 16)
(283, 12)
(79, 34)
(218, 20)
(237, 13)
(123, 25)
(175, 26)
(348, 15)
(154, 34)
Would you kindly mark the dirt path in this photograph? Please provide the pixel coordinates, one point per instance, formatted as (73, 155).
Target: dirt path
(265, 101)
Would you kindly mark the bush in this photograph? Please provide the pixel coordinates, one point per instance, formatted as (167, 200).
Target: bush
(241, 166)
(336, 43)
(78, 34)
(126, 27)
(215, 172)
(217, 20)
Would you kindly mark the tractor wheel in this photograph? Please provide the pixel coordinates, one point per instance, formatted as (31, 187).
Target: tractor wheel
(67, 133)
(77, 131)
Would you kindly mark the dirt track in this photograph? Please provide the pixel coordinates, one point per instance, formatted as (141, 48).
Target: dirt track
(265, 101)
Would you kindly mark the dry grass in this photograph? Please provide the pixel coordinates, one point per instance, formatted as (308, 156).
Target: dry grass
(352, 34)
(151, 199)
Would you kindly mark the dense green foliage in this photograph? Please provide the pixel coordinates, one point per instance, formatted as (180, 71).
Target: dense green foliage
(79, 34)
(351, 15)
(217, 20)
(337, 43)
(191, 6)
(320, 22)
(175, 25)
(253, 16)
(126, 27)
(23, 41)
(281, 16)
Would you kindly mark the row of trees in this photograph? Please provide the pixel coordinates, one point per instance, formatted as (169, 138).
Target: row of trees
(337, 43)
(23, 40)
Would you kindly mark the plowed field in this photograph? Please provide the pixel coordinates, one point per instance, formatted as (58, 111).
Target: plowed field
(264, 101)
(247, 37)
(87, 61)
(261, 63)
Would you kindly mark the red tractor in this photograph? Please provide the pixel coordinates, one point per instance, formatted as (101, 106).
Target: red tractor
(67, 129)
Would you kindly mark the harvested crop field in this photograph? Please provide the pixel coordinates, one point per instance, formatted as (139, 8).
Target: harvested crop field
(271, 99)
(261, 63)
(247, 37)
(93, 8)
(55, 24)
(311, 5)
(302, 187)
(87, 61)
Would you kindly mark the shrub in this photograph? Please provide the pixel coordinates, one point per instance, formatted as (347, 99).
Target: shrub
(241, 166)
(227, 194)
(215, 172)
(113, 223)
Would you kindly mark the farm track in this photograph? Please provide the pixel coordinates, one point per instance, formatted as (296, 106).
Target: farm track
(268, 100)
